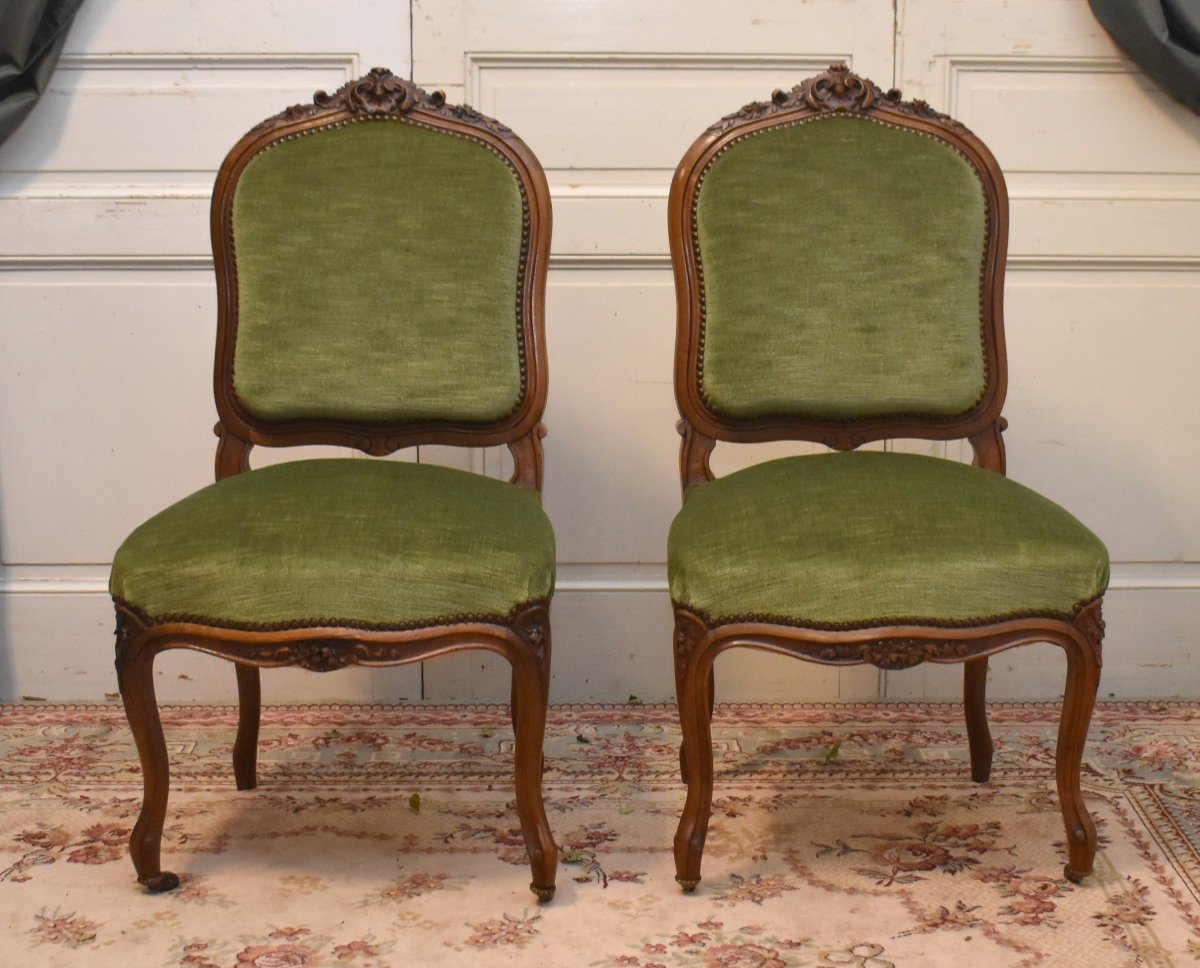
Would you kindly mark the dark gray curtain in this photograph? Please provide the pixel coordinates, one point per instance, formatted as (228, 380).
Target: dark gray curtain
(32, 34)
(1162, 37)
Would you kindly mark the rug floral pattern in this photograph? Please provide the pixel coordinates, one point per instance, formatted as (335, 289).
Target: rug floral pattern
(875, 852)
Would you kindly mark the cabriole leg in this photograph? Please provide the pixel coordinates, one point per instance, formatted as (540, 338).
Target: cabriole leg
(1083, 680)
(530, 691)
(694, 718)
(135, 676)
(689, 630)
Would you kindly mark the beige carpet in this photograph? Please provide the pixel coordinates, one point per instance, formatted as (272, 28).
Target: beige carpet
(884, 854)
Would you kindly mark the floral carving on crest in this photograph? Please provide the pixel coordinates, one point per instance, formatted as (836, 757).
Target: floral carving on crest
(380, 93)
(837, 89)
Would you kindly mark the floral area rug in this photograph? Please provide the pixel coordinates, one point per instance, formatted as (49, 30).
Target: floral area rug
(841, 835)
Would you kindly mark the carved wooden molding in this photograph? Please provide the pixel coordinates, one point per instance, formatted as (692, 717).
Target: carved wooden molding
(128, 628)
(532, 624)
(382, 96)
(379, 93)
(890, 643)
(892, 654)
(689, 630)
(1090, 622)
(326, 645)
(836, 91)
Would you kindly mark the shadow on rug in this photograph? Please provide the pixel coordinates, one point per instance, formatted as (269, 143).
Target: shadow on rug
(841, 835)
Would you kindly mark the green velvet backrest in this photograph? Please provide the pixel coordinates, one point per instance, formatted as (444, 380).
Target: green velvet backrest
(378, 268)
(841, 261)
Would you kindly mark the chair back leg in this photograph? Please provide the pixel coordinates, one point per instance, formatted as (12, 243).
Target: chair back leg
(245, 746)
(979, 737)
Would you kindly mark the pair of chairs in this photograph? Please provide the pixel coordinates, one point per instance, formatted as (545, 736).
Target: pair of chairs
(381, 261)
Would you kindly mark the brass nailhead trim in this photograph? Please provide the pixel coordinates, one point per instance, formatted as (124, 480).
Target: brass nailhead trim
(758, 618)
(466, 618)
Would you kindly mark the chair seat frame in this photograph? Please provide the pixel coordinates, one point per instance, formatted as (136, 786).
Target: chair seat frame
(522, 637)
(699, 639)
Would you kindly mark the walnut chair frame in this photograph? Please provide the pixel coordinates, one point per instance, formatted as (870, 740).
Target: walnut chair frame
(523, 637)
(698, 640)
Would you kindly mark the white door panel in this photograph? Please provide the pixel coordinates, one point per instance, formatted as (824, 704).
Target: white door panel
(107, 316)
(107, 308)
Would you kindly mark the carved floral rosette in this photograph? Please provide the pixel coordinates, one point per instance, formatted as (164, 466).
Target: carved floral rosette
(380, 93)
(837, 89)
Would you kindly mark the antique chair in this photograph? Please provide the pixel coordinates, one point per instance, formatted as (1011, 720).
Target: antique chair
(381, 270)
(839, 267)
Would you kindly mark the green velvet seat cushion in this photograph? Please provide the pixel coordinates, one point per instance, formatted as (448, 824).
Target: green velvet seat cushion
(378, 267)
(841, 253)
(367, 542)
(861, 538)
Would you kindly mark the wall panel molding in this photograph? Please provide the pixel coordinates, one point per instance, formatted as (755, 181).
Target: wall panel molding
(126, 75)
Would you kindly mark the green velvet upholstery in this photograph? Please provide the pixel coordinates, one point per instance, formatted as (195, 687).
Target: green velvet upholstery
(841, 261)
(863, 537)
(376, 542)
(377, 274)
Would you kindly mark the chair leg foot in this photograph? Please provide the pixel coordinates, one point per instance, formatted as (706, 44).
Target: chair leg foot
(688, 886)
(544, 894)
(1074, 876)
(161, 883)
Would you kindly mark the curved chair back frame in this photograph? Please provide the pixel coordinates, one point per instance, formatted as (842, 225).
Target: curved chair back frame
(381, 96)
(697, 644)
(523, 637)
(833, 92)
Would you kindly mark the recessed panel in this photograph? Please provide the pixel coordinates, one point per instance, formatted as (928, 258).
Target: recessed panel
(588, 111)
(1102, 404)
(106, 409)
(612, 478)
(123, 121)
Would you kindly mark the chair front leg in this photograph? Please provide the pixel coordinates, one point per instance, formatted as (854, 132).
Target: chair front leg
(245, 746)
(979, 737)
(689, 630)
(694, 719)
(1083, 681)
(514, 700)
(135, 678)
(530, 690)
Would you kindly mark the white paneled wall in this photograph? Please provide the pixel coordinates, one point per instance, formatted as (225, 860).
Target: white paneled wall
(107, 304)
(1103, 302)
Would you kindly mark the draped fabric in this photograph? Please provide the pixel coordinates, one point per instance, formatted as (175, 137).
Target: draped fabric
(32, 34)
(1162, 37)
